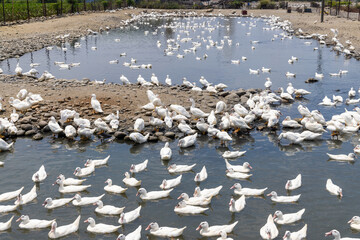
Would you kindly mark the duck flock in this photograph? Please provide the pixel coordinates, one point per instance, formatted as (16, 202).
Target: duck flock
(225, 122)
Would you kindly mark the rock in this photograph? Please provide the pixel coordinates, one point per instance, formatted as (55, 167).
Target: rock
(20, 133)
(164, 139)
(158, 134)
(26, 127)
(243, 100)
(170, 135)
(25, 120)
(30, 132)
(224, 94)
(46, 129)
(240, 92)
(232, 97)
(37, 136)
(120, 135)
(153, 139)
(42, 124)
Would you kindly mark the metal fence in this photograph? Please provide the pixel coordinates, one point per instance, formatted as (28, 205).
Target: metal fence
(17, 10)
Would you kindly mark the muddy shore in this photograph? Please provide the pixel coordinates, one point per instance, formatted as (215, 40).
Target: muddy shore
(75, 95)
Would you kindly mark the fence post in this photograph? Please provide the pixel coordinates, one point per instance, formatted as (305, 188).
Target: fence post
(338, 12)
(348, 9)
(3, 4)
(28, 10)
(61, 8)
(322, 10)
(84, 5)
(330, 6)
(44, 8)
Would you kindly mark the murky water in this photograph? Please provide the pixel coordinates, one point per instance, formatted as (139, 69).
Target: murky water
(273, 163)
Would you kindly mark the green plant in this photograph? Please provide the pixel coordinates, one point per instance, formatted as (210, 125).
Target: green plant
(266, 4)
(130, 2)
(119, 3)
(105, 4)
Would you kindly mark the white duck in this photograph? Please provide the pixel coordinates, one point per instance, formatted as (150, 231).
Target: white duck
(179, 110)
(207, 192)
(54, 126)
(337, 236)
(245, 168)
(283, 199)
(10, 195)
(70, 188)
(174, 168)
(183, 208)
(220, 107)
(238, 189)
(138, 137)
(129, 216)
(289, 123)
(139, 167)
(14, 116)
(197, 201)
(212, 231)
(290, 75)
(269, 230)
(299, 235)
(81, 121)
(58, 232)
(165, 152)
(355, 223)
(6, 225)
(201, 176)
(81, 201)
(130, 181)
(333, 189)
(100, 227)
(124, 80)
(22, 105)
(50, 203)
(233, 154)
(70, 181)
(26, 198)
(8, 208)
(153, 195)
(198, 113)
(70, 132)
(107, 209)
(27, 223)
(223, 236)
(268, 83)
(342, 157)
(166, 232)
(168, 80)
(289, 218)
(98, 162)
(352, 93)
(170, 183)
(18, 69)
(185, 128)
(238, 205)
(293, 183)
(113, 188)
(82, 172)
(95, 104)
(40, 175)
(135, 235)
(237, 175)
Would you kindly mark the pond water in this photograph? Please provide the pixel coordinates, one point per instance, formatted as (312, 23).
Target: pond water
(273, 162)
